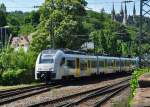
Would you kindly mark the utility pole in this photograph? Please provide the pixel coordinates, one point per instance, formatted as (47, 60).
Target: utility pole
(144, 10)
(3, 36)
(52, 27)
(140, 31)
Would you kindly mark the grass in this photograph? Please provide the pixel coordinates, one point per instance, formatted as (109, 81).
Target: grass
(17, 86)
(133, 84)
(134, 81)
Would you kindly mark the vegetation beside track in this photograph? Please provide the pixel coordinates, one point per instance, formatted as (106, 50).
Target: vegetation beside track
(16, 67)
(17, 86)
(134, 81)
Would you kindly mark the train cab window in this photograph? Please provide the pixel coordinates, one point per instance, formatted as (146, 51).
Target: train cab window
(71, 63)
(46, 59)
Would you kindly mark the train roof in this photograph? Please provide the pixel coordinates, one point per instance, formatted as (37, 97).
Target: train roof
(73, 53)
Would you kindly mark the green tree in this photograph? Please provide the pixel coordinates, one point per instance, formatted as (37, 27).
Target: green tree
(103, 42)
(61, 21)
(35, 18)
(3, 21)
(95, 37)
(26, 29)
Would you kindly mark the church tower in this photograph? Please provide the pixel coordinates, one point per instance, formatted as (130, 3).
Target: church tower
(134, 13)
(113, 13)
(125, 15)
(121, 13)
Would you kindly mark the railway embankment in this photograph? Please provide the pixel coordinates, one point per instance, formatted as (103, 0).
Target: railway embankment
(141, 93)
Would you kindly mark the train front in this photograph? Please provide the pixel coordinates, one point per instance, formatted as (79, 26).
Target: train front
(44, 69)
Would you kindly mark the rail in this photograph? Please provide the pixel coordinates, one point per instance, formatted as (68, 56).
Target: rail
(66, 101)
(15, 95)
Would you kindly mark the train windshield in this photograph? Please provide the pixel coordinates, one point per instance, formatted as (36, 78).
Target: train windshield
(45, 58)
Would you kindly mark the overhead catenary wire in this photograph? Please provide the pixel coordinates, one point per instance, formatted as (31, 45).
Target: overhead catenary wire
(91, 3)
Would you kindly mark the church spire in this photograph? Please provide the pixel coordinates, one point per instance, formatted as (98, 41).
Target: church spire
(125, 15)
(113, 13)
(134, 12)
(121, 13)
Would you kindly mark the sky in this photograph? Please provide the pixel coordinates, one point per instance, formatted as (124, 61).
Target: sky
(97, 5)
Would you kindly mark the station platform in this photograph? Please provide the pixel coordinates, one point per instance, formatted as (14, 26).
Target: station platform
(142, 97)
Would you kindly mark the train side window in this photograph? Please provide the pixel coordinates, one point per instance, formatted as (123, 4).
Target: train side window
(122, 63)
(105, 63)
(71, 63)
(129, 63)
(114, 63)
(93, 64)
(117, 63)
(108, 63)
(101, 63)
(83, 65)
(62, 62)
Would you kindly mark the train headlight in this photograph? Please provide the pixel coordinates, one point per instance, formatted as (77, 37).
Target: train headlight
(51, 69)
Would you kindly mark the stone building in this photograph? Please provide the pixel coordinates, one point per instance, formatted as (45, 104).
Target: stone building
(123, 16)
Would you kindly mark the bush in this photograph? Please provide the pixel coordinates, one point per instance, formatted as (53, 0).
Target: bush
(134, 81)
(9, 59)
(18, 76)
(17, 67)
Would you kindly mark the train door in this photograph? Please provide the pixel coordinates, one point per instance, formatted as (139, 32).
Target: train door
(105, 66)
(77, 67)
(88, 67)
(114, 65)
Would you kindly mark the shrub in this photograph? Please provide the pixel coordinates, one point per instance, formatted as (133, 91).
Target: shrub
(17, 76)
(9, 59)
(134, 81)
(17, 67)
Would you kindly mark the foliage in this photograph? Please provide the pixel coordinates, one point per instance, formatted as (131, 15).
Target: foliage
(26, 29)
(9, 59)
(40, 42)
(62, 23)
(16, 76)
(23, 23)
(3, 21)
(16, 66)
(134, 81)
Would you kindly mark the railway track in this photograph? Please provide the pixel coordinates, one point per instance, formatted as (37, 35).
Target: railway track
(8, 96)
(76, 99)
(22, 88)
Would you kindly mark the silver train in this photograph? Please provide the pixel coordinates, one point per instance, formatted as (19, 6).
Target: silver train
(58, 64)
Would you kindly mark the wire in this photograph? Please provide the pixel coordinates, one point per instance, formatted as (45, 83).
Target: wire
(90, 3)
(128, 1)
(21, 7)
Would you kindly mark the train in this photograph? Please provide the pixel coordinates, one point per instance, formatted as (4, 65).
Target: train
(57, 64)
